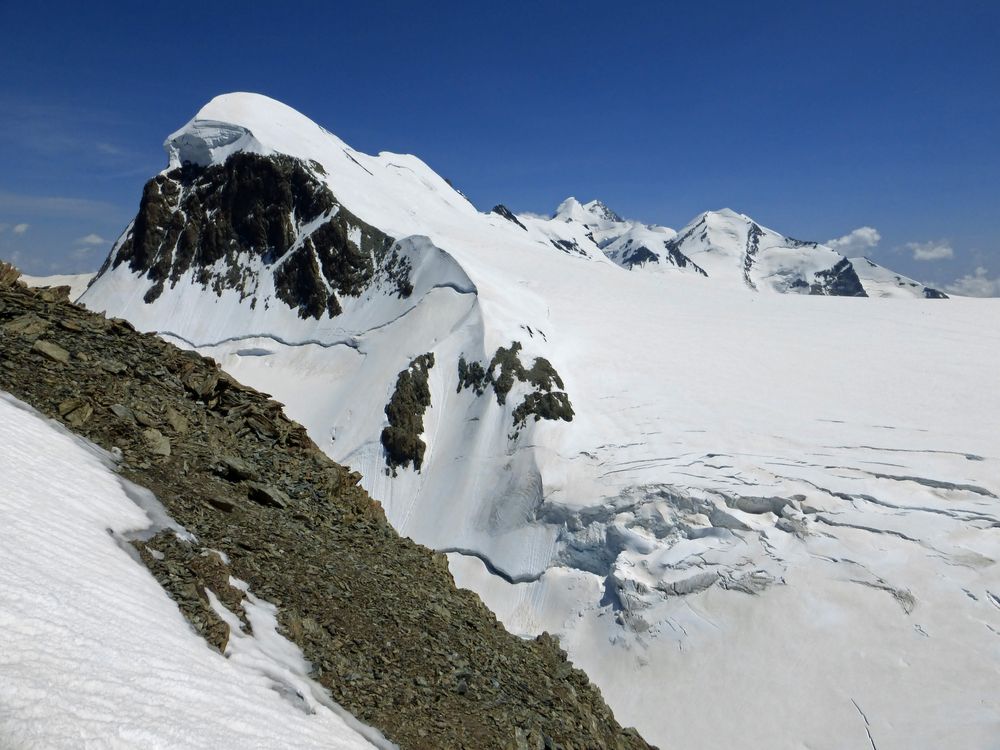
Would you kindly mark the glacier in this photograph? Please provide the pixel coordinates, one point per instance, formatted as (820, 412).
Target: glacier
(772, 519)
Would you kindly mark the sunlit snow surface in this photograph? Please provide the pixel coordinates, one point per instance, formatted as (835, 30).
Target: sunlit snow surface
(774, 519)
(93, 653)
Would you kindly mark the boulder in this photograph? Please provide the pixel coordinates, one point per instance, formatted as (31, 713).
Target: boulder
(28, 324)
(157, 442)
(268, 495)
(75, 411)
(8, 274)
(201, 385)
(54, 293)
(122, 412)
(232, 468)
(177, 421)
(53, 351)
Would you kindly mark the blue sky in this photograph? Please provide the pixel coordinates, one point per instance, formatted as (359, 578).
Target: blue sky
(817, 119)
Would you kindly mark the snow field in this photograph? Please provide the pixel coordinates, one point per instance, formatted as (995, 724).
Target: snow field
(93, 653)
(773, 521)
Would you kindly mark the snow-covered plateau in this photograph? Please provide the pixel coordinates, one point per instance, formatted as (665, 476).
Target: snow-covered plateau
(751, 484)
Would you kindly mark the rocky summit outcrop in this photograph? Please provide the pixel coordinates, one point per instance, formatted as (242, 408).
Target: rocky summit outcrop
(378, 616)
(8, 274)
(223, 224)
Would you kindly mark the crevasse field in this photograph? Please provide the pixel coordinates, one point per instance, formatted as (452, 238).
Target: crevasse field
(773, 520)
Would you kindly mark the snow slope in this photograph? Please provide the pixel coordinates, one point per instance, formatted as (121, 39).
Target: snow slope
(881, 282)
(773, 519)
(95, 654)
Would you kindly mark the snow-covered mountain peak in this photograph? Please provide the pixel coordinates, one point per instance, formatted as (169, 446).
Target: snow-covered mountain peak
(721, 215)
(601, 210)
(735, 249)
(593, 213)
(723, 222)
(248, 123)
(254, 111)
(401, 196)
(569, 209)
(386, 189)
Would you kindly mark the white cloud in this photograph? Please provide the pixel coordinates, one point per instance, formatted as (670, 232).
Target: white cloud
(110, 149)
(856, 242)
(91, 239)
(977, 284)
(930, 250)
(20, 228)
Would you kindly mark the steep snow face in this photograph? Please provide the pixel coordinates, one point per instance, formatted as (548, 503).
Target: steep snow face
(95, 654)
(734, 249)
(881, 282)
(788, 505)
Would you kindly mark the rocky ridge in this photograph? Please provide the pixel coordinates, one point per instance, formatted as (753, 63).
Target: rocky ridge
(224, 224)
(378, 616)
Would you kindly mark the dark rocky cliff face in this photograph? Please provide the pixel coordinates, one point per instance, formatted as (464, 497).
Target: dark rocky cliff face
(224, 222)
(501, 210)
(405, 412)
(841, 281)
(635, 254)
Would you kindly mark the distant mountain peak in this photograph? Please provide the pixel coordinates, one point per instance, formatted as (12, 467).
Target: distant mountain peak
(722, 215)
(601, 209)
(594, 211)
